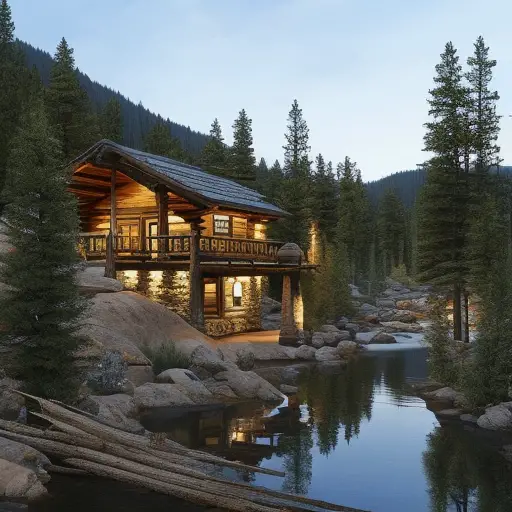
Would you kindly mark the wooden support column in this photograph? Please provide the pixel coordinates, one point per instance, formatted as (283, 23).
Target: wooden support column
(110, 264)
(292, 313)
(162, 202)
(195, 278)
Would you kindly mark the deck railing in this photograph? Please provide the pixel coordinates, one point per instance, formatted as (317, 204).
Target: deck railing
(94, 245)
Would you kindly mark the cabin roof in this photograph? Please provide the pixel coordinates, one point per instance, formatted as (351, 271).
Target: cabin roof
(186, 180)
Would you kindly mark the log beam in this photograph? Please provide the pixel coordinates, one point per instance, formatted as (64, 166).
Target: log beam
(196, 278)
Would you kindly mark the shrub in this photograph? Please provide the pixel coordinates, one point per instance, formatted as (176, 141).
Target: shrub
(109, 377)
(166, 356)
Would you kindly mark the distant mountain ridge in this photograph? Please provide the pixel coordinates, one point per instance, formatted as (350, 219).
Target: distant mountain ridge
(407, 185)
(137, 119)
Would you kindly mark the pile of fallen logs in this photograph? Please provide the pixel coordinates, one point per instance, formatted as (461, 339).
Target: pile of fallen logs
(85, 446)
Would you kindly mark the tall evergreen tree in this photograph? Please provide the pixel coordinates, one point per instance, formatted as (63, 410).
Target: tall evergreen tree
(445, 201)
(325, 198)
(392, 230)
(68, 105)
(214, 157)
(242, 161)
(295, 194)
(111, 121)
(40, 309)
(160, 141)
(10, 75)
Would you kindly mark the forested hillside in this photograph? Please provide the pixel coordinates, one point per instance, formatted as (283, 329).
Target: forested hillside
(137, 120)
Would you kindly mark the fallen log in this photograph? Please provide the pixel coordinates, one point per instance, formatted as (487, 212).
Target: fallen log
(61, 470)
(194, 496)
(114, 435)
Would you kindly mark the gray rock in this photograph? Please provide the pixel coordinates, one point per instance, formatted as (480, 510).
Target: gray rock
(249, 385)
(19, 482)
(271, 322)
(207, 359)
(385, 303)
(200, 372)
(159, 395)
(401, 327)
(220, 390)
(342, 322)
(176, 376)
(288, 390)
(498, 417)
(346, 348)
(245, 359)
(405, 316)
(329, 328)
(352, 327)
(419, 305)
(387, 315)
(445, 394)
(354, 291)
(382, 338)
(365, 337)
(91, 280)
(305, 352)
(327, 354)
(449, 413)
(317, 341)
(409, 296)
(368, 309)
(269, 306)
(25, 456)
(119, 411)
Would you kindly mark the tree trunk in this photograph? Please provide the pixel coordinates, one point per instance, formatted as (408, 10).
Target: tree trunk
(466, 316)
(457, 313)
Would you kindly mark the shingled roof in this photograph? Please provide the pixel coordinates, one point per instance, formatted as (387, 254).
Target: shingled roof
(185, 180)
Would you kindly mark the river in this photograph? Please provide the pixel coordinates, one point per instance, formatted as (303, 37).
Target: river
(355, 436)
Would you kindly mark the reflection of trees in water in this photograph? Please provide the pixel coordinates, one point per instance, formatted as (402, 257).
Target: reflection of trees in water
(295, 450)
(341, 400)
(465, 474)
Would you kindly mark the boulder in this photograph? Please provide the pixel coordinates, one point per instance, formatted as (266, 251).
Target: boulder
(327, 354)
(352, 327)
(366, 309)
(329, 328)
(342, 322)
(188, 384)
(404, 316)
(401, 327)
(354, 291)
(220, 390)
(346, 348)
(211, 361)
(385, 303)
(19, 482)
(269, 306)
(91, 280)
(365, 337)
(371, 319)
(317, 341)
(498, 417)
(387, 315)
(449, 414)
(25, 456)
(159, 395)
(305, 352)
(448, 395)
(382, 338)
(10, 403)
(409, 296)
(288, 390)
(245, 359)
(139, 374)
(249, 385)
(469, 418)
(118, 411)
(417, 305)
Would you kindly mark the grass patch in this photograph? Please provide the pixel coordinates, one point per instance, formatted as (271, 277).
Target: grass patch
(165, 357)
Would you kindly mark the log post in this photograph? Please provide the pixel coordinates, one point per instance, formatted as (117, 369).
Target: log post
(292, 313)
(110, 264)
(195, 278)
(162, 202)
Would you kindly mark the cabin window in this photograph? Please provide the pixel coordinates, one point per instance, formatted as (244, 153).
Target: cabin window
(237, 294)
(221, 225)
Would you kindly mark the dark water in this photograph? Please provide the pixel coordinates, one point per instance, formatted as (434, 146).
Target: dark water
(355, 437)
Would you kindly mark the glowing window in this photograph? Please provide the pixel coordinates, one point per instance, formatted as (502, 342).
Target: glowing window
(237, 293)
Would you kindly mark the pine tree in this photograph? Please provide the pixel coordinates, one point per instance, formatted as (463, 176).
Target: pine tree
(10, 75)
(214, 157)
(445, 201)
(325, 198)
(111, 121)
(392, 230)
(295, 193)
(159, 141)
(241, 156)
(68, 105)
(40, 310)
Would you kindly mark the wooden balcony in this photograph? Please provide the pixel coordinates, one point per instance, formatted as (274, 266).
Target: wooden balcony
(169, 247)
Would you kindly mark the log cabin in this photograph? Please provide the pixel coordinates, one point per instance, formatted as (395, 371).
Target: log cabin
(143, 212)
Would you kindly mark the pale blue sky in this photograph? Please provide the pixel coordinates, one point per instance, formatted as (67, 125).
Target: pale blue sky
(360, 69)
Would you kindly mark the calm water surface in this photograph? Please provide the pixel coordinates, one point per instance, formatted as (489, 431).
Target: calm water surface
(354, 437)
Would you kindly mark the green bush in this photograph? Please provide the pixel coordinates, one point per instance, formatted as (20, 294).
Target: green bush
(166, 356)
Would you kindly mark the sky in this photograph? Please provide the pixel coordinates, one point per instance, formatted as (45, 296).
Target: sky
(360, 69)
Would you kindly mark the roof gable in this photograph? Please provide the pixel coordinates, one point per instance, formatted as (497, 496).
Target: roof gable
(212, 189)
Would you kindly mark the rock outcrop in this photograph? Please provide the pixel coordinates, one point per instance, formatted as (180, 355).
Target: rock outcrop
(498, 417)
(19, 482)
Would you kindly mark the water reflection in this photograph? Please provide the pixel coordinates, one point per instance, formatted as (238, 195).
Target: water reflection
(466, 473)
